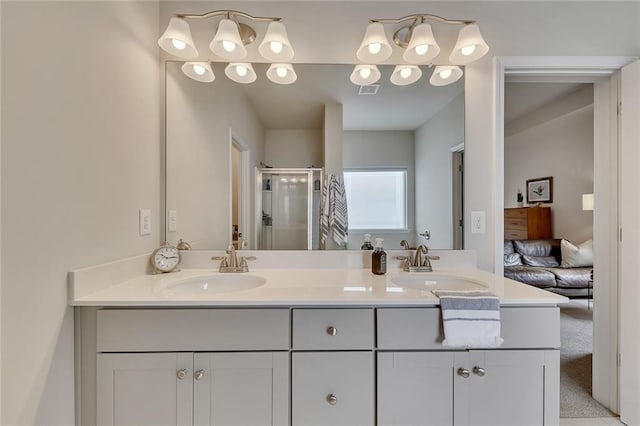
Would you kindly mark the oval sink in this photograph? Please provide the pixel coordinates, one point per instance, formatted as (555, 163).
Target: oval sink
(210, 284)
(429, 281)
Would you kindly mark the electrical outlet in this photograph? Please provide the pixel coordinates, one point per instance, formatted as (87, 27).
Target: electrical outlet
(478, 225)
(145, 222)
(173, 221)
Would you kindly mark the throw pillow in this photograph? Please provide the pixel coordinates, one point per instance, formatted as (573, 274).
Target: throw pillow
(512, 259)
(576, 256)
(544, 261)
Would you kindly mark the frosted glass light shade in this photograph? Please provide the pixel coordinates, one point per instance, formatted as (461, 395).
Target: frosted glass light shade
(445, 74)
(276, 45)
(177, 39)
(422, 46)
(363, 75)
(227, 43)
(405, 74)
(199, 71)
(375, 47)
(282, 73)
(470, 46)
(587, 202)
(241, 72)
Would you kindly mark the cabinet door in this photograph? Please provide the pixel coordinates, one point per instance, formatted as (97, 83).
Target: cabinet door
(415, 388)
(332, 388)
(247, 388)
(502, 388)
(151, 389)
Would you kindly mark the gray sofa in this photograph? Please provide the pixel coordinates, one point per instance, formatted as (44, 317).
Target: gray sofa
(537, 263)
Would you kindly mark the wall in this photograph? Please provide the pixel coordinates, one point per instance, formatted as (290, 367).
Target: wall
(293, 148)
(199, 119)
(556, 140)
(382, 149)
(80, 155)
(434, 141)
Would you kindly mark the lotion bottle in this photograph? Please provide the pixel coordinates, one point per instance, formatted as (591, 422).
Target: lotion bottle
(379, 259)
(367, 243)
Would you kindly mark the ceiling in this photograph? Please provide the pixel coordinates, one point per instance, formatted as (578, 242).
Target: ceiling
(521, 99)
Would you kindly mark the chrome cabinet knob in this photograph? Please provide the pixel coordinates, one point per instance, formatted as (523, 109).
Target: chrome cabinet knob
(199, 374)
(479, 371)
(182, 374)
(332, 331)
(463, 372)
(332, 399)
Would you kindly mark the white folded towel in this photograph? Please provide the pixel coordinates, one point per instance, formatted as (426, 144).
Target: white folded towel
(470, 318)
(333, 215)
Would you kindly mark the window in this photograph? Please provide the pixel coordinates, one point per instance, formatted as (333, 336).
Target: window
(376, 199)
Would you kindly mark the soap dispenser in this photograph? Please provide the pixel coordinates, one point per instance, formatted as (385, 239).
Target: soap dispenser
(379, 259)
(366, 245)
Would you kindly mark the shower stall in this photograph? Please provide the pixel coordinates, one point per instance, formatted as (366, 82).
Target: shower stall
(288, 208)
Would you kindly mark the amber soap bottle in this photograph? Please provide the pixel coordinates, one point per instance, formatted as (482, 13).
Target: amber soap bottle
(379, 259)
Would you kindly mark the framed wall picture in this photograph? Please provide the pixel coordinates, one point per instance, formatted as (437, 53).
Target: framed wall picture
(540, 190)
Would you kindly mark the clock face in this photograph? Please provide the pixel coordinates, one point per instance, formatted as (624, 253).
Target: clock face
(166, 258)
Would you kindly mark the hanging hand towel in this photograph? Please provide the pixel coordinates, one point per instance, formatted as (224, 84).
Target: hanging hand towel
(470, 318)
(333, 218)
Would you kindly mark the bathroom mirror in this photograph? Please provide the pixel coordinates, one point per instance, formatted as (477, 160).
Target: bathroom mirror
(219, 134)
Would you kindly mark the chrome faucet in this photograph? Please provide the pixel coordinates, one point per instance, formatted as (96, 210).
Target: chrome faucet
(230, 262)
(420, 262)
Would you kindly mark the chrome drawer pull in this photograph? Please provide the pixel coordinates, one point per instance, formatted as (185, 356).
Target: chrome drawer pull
(479, 371)
(332, 399)
(332, 331)
(199, 374)
(181, 374)
(463, 372)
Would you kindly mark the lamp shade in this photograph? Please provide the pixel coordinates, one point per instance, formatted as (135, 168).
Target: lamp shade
(199, 71)
(422, 46)
(587, 202)
(445, 74)
(282, 73)
(276, 45)
(177, 39)
(470, 45)
(240, 72)
(227, 43)
(363, 75)
(375, 47)
(405, 74)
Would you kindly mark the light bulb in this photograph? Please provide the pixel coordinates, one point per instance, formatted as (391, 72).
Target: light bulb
(374, 48)
(281, 72)
(468, 50)
(365, 73)
(241, 70)
(445, 74)
(199, 69)
(422, 49)
(178, 44)
(405, 72)
(276, 46)
(229, 46)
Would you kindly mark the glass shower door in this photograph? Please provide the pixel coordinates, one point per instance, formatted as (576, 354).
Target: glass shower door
(290, 212)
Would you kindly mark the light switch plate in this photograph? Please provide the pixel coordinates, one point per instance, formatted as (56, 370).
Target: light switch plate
(478, 222)
(173, 221)
(145, 222)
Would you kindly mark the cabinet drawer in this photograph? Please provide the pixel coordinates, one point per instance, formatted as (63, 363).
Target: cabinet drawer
(515, 213)
(515, 234)
(421, 328)
(332, 388)
(515, 224)
(164, 330)
(318, 329)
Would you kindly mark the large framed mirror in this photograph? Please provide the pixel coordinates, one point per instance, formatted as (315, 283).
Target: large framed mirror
(222, 137)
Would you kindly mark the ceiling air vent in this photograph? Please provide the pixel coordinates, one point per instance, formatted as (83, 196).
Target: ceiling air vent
(369, 89)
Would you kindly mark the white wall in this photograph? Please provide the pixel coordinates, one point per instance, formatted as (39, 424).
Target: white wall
(293, 147)
(433, 159)
(382, 149)
(80, 155)
(557, 141)
(198, 122)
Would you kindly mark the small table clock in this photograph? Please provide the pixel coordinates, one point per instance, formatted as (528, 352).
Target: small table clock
(165, 258)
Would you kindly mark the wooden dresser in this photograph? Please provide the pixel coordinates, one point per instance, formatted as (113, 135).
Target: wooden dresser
(527, 223)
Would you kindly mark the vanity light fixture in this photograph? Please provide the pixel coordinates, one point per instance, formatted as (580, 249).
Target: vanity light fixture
(282, 73)
(364, 75)
(229, 44)
(421, 48)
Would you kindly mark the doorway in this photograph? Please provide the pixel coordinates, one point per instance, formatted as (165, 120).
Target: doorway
(457, 192)
(239, 205)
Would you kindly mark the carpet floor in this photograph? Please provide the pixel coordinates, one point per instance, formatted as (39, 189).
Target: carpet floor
(576, 338)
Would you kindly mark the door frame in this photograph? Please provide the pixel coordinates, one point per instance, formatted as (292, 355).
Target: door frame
(456, 183)
(606, 314)
(244, 189)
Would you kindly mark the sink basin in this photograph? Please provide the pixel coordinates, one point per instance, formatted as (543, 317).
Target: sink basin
(210, 284)
(429, 281)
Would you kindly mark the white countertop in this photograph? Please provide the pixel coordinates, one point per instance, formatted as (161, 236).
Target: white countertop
(309, 287)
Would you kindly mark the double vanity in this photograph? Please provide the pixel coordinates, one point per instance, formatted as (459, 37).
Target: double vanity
(308, 346)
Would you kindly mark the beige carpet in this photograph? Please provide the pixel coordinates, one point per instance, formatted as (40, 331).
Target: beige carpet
(576, 337)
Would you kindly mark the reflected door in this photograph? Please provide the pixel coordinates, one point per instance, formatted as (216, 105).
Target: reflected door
(290, 212)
